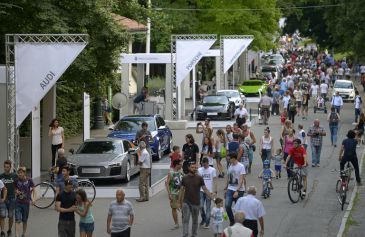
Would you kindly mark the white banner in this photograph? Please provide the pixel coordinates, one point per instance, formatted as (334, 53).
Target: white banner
(37, 68)
(36, 142)
(232, 49)
(188, 54)
(86, 116)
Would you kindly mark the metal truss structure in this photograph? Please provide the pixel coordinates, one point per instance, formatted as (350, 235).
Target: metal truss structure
(175, 38)
(10, 41)
(223, 80)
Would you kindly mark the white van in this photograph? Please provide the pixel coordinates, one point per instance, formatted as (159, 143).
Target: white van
(346, 89)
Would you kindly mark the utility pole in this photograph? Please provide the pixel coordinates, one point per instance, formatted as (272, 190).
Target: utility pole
(148, 42)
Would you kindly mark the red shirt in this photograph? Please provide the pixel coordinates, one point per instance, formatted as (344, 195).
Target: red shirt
(174, 156)
(298, 155)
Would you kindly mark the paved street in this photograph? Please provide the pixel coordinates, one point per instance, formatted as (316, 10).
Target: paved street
(318, 215)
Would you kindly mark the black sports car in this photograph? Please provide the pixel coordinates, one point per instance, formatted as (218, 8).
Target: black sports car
(215, 106)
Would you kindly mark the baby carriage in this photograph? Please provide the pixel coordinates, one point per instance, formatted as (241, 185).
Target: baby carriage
(321, 105)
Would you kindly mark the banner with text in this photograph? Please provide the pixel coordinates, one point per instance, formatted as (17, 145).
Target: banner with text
(37, 68)
(232, 49)
(86, 116)
(188, 54)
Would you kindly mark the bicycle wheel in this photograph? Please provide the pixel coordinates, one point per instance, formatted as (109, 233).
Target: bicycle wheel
(338, 185)
(293, 190)
(45, 195)
(343, 201)
(89, 188)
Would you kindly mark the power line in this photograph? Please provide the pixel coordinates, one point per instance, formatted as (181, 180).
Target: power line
(245, 9)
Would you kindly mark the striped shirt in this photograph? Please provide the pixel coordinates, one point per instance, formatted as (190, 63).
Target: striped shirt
(120, 213)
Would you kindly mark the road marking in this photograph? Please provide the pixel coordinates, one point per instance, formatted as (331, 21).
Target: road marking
(349, 207)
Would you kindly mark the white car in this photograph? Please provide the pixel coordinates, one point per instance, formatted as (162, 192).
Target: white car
(233, 96)
(345, 88)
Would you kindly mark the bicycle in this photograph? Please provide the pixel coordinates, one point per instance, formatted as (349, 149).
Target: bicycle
(266, 187)
(46, 192)
(295, 185)
(342, 184)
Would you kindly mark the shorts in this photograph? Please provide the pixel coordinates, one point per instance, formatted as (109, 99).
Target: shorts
(2, 210)
(304, 171)
(278, 168)
(305, 108)
(217, 228)
(174, 201)
(10, 208)
(21, 212)
(218, 156)
(299, 104)
(86, 227)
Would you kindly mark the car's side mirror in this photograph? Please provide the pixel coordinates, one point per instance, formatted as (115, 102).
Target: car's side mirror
(72, 151)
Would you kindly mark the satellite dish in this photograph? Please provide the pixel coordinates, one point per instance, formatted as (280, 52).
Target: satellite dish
(119, 100)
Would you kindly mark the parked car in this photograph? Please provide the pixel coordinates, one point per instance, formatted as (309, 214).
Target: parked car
(215, 107)
(161, 142)
(233, 96)
(346, 89)
(253, 87)
(277, 57)
(105, 158)
(268, 69)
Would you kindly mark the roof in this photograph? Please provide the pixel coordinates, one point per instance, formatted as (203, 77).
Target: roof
(129, 24)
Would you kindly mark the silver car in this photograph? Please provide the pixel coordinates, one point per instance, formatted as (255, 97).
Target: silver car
(105, 158)
(233, 96)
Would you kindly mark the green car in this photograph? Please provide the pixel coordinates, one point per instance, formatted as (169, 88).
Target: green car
(253, 87)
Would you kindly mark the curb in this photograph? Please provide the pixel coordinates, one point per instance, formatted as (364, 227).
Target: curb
(349, 207)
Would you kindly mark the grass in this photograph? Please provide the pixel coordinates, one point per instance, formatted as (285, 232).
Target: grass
(350, 221)
(154, 84)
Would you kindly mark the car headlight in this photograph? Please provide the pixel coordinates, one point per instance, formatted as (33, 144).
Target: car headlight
(114, 164)
(237, 101)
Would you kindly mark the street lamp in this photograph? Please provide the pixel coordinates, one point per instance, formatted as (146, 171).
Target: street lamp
(98, 115)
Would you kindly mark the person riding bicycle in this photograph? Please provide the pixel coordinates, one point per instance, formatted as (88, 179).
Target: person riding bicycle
(266, 174)
(299, 156)
(265, 104)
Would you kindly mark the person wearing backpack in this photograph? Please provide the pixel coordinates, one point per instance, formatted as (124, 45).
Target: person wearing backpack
(333, 118)
(275, 102)
(292, 108)
(358, 104)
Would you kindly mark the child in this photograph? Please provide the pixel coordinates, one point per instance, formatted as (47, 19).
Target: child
(84, 211)
(175, 155)
(266, 174)
(278, 160)
(283, 116)
(217, 216)
(320, 102)
(302, 136)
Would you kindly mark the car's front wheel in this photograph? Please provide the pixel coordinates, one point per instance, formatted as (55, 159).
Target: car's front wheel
(127, 176)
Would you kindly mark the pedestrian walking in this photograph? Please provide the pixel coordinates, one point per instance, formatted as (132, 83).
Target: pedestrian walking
(298, 94)
(292, 108)
(241, 115)
(251, 140)
(57, 135)
(265, 104)
(144, 135)
(337, 102)
(8, 178)
(107, 109)
(190, 152)
(220, 151)
(144, 173)
(65, 176)
(348, 154)
(305, 102)
(316, 134)
(172, 184)
(275, 102)
(217, 216)
(120, 216)
(209, 175)
(207, 151)
(302, 135)
(189, 198)
(84, 210)
(333, 119)
(204, 128)
(235, 186)
(358, 105)
(24, 190)
(278, 159)
(359, 128)
(238, 230)
(253, 209)
(65, 205)
(3, 197)
(175, 155)
(266, 145)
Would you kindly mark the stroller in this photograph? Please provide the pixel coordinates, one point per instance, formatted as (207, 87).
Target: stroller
(321, 105)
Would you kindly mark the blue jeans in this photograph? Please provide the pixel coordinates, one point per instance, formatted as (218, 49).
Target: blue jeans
(316, 154)
(338, 108)
(205, 212)
(333, 130)
(228, 204)
(357, 114)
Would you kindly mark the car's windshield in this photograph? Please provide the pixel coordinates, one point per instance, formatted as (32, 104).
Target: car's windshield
(215, 100)
(343, 85)
(99, 147)
(252, 83)
(230, 94)
(130, 125)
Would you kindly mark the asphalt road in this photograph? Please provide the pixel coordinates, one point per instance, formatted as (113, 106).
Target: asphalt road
(317, 215)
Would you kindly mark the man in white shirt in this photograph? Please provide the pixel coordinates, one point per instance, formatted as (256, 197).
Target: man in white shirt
(314, 92)
(238, 230)
(340, 72)
(144, 172)
(324, 90)
(358, 103)
(209, 175)
(241, 115)
(337, 102)
(253, 209)
(286, 99)
(235, 186)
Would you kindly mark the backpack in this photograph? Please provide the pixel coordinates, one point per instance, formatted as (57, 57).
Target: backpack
(333, 118)
(292, 106)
